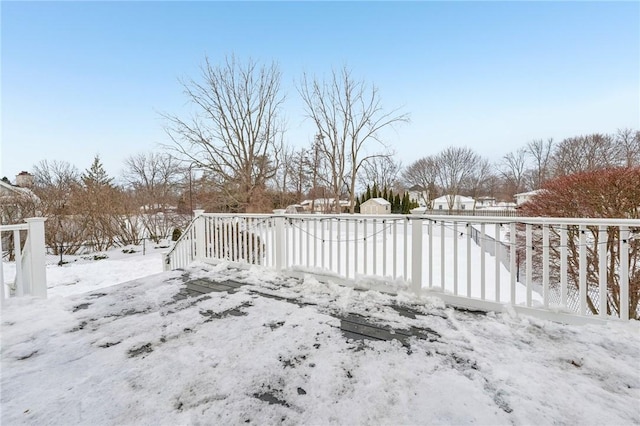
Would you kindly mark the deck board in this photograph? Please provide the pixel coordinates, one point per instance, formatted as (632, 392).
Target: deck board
(353, 326)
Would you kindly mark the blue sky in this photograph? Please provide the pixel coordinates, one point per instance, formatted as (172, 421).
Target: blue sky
(86, 78)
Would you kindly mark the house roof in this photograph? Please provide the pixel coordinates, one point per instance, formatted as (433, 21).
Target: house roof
(415, 188)
(16, 189)
(530, 193)
(380, 201)
(458, 199)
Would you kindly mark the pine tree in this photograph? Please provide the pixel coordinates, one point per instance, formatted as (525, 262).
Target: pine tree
(357, 206)
(385, 194)
(96, 176)
(406, 204)
(375, 191)
(367, 195)
(397, 204)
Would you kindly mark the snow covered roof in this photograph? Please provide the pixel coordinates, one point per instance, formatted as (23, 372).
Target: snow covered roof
(380, 201)
(7, 189)
(458, 199)
(529, 193)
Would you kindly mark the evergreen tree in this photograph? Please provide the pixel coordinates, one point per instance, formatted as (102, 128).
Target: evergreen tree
(385, 194)
(375, 191)
(389, 197)
(396, 207)
(96, 176)
(367, 195)
(357, 206)
(406, 204)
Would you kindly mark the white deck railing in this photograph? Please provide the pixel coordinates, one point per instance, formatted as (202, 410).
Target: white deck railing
(30, 276)
(558, 268)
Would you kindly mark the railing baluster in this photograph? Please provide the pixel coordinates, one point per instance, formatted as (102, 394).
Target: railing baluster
(395, 249)
(468, 226)
(563, 265)
(497, 246)
(356, 243)
(374, 243)
(322, 246)
(339, 243)
(331, 241)
(624, 273)
(545, 265)
(512, 262)
(315, 243)
(455, 258)
(384, 247)
(583, 270)
(483, 253)
(430, 231)
(17, 251)
(442, 255)
(364, 232)
(602, 266)
(406, 249)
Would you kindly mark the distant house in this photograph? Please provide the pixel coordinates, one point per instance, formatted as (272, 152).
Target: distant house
(15, 202)
(523, 197)
(485, 202)
(460, 202)
(375, 206)
(418, 194)
(324, 205)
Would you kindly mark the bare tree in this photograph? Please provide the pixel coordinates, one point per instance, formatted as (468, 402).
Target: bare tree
(584, 153)
(348, 116)
(383, 171)
(424, 173)
(236, 130)
(153, 178)
(541, 153)
(627, 144)
(512, 169)
(476, 183)
(57, 183)
(456, 166)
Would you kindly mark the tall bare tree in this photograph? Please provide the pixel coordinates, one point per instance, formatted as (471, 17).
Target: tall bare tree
(423, 172)
(349, 116)
(153, 179)
(236, 128)
(512, 169)
(456, 167)
(541, 154)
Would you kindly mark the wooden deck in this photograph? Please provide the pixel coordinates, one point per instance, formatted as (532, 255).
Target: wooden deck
(353, 326)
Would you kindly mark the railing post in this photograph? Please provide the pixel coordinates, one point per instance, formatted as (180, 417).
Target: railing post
(278, 242)
(416, 255)
(199, 227)
(37, 270)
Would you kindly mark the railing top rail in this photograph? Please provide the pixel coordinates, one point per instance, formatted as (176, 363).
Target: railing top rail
(16, 227)
(447, 218)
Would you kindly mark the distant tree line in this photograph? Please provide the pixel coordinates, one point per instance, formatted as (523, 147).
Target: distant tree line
(228, 155)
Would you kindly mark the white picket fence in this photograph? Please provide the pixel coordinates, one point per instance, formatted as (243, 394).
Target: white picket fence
(454, 256)
(29, 258)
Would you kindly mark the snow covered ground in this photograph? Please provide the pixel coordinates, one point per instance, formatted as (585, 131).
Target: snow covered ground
(132, 354)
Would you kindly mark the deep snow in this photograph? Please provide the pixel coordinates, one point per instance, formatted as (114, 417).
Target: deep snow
(131, 354)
